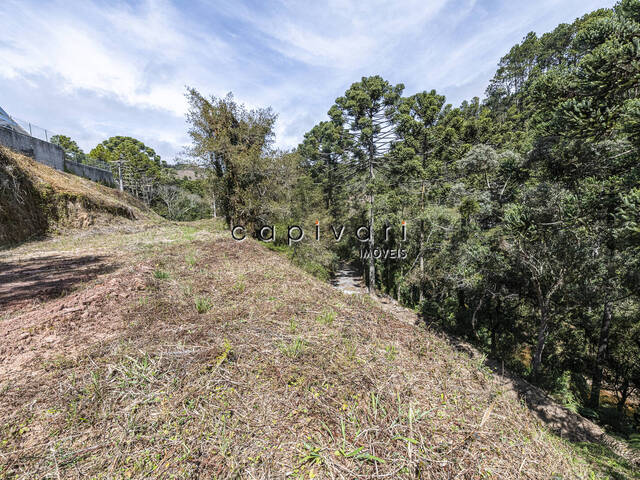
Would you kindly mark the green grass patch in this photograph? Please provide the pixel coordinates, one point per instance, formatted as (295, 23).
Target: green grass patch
(203, 305)
(160, 274)
(605, 460)
(293, 349)
(326, 318)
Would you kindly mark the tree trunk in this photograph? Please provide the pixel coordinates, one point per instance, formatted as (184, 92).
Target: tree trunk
(372, 260)
(421, 293)
(624, 395)
(603, 344)
(474, 319)
(540, 343)
(494, 327)
(421, 246)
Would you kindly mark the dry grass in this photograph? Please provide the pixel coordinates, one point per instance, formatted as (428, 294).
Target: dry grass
(72, 185)
(282, 377)
(36, 200)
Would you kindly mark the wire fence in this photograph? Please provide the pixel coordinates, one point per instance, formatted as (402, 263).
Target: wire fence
(134, 181)
(33, 130)
(28, 128)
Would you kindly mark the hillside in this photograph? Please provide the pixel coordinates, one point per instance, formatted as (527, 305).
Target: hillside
(36, 200)
(176, 352)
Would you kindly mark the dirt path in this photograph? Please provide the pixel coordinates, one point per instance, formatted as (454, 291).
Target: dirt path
(348, 280)
(557, 418)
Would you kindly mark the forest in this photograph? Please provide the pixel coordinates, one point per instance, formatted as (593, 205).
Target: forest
(522, 209)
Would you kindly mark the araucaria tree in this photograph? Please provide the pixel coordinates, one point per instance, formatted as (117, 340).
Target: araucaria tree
(366, 115)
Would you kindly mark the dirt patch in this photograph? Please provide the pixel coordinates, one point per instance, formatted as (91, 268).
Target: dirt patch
(63, 327)
(348, 280)
(36, 280)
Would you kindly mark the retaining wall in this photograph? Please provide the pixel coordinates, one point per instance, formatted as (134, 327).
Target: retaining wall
(87, 171)
(52, 155)
(44, 152)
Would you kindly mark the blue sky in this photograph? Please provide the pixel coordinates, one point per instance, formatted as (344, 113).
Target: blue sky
(92, 69)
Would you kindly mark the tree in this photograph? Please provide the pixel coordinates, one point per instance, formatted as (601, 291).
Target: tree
(587, 120)
(177, 201)
(141, 167)
(232, 142)
(366, 112)
(324, 150)
(544, 250)
(419, 137)
(70, 147)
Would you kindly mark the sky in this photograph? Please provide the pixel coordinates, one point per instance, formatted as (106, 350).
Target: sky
(95, 69)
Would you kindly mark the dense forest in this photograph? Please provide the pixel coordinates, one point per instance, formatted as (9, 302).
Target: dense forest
(522, 210)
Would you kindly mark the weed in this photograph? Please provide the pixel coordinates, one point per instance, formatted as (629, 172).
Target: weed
(293, 325)
(239, 286)
(203, 304)
(160, 274)
(293, 349)
(312, 455)
(326, 318)
(191, 260)
(391, 352)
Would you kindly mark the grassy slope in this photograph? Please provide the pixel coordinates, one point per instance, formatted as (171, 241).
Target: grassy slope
(225, 361)
(36, 200)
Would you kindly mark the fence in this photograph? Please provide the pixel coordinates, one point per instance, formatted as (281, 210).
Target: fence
(134, 181)
(17, 138)
(44, 152)
(34, 130)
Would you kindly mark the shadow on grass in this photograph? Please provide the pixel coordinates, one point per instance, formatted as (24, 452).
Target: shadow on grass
(607, 461)
(44, 278)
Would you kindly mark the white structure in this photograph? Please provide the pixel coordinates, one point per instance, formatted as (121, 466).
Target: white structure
(7, 122)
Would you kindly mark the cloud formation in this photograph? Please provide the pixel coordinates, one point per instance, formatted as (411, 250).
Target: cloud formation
(92, 69)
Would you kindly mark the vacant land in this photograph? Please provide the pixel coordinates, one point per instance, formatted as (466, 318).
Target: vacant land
(171, 351)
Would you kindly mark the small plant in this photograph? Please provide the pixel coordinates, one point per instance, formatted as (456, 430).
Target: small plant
(227, 353)
(327, 317)
(293, 349)
(391, 352)
(203, 305)
(312, 455)
(190, 259)
(293, 325)
(239, 286)
(160, 274)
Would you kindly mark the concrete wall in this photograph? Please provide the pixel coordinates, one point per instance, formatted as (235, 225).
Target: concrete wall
(51, 155)
(44, 152)
(87, 171)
